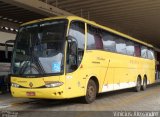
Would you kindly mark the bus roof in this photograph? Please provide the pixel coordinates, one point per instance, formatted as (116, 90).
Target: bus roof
(92, 23)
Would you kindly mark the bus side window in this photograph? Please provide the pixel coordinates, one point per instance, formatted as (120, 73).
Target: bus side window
(144, 52)
(137, 50)
(98, 41)
(130, 49)
(109, 42)
(94, 40)
(120, 45)
(150, 54)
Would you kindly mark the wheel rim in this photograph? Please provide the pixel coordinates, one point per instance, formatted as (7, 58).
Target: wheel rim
(91, 93)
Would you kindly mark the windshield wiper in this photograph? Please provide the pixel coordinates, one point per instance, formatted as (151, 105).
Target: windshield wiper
(38, 64)
(31, 63)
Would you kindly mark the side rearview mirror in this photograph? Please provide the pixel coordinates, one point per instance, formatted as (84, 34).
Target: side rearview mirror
(73, 52)
(73, 44)
(8, 43)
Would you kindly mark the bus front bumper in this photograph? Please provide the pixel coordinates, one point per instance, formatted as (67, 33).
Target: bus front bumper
(43, 93)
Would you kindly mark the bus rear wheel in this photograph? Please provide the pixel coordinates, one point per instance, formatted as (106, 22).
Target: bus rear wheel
(91, 92)
(138, 85)
(144, 86)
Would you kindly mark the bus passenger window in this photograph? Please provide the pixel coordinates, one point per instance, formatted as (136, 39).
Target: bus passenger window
(120, 46)
(150, 54)
(137, 50)
(90, 40)
(98, 41)
(94, 40)
(143, 52)
(130, 48)
(109, 43)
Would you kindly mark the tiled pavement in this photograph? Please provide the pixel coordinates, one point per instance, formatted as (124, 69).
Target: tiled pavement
(124, 100)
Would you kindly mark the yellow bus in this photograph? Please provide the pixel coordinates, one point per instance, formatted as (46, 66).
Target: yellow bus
(68, 57)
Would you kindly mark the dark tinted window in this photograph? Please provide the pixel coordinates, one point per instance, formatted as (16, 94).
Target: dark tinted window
(150, 54)
(121, 45)
(114, 43)
(137, 50)
(144, 52)
(77, 31)
(109, 43)
(130, 50)
(94, 40)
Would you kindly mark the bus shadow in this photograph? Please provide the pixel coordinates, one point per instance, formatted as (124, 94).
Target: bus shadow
(52, 103)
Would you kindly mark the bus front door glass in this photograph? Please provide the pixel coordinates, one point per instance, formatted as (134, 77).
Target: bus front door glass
(76, 44)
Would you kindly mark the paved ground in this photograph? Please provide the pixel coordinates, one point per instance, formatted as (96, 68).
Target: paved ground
(124, 100)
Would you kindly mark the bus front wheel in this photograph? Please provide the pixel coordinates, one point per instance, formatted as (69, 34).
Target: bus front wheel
(90, 92)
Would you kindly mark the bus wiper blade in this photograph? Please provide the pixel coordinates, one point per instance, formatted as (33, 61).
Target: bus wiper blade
(38, 64)
(24, 66)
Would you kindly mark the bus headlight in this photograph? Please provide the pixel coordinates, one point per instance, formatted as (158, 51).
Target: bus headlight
(54, 84)
(15, 85)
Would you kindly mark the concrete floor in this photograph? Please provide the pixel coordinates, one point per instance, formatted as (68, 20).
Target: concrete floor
(124, 100)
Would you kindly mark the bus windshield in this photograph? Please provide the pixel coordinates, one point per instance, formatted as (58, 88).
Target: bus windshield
(39, 48)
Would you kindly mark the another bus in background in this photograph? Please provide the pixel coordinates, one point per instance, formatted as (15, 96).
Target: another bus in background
(5, 65)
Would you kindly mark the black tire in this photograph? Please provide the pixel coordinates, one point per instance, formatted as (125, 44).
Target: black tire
(90, 93)
(138, 85)
(144, 86)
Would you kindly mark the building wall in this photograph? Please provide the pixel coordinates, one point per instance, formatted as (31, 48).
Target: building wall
(6, 36)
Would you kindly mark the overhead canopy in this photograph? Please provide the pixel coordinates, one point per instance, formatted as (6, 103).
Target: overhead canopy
(138, 18)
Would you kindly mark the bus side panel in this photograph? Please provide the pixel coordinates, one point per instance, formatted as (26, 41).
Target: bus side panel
(97, 63)
(113, 71)
(75, 83)
(123, 77)
(150, 71)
